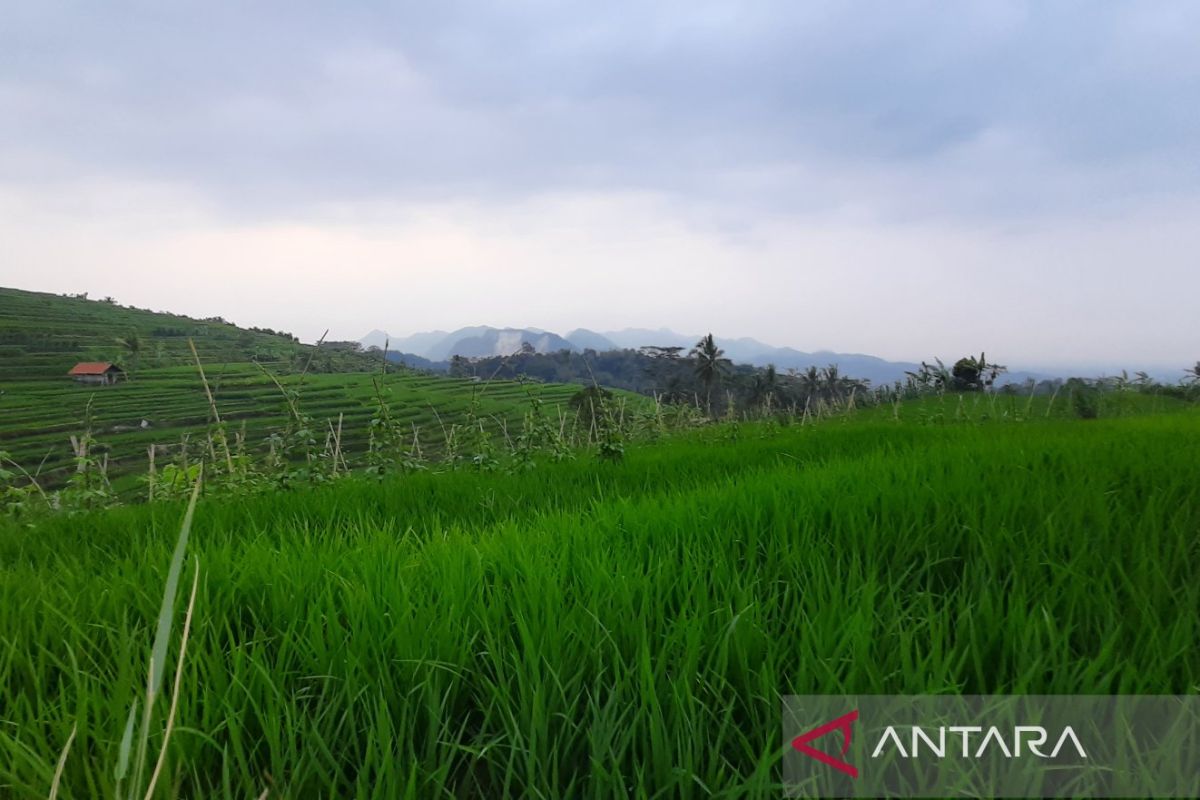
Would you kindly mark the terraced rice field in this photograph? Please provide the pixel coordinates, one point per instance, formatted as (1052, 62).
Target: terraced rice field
(37, 418)
(44, 335)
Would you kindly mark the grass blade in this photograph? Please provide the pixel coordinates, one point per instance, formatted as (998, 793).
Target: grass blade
(62, 762)
(158, 654)
(126, 744)
(187, 627)
(166, 612)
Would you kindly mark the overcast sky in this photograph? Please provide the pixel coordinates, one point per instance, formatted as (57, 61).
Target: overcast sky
(906, 179)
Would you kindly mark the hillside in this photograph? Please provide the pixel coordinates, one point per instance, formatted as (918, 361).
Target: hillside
(164, 404)
(584, 339)
(44, 335)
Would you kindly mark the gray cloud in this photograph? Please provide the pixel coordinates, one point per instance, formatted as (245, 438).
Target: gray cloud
(1055, 107)
(904, 178)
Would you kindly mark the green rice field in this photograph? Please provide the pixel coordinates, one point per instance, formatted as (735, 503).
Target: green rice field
(37, 418)
(597, 630)
(163, 403)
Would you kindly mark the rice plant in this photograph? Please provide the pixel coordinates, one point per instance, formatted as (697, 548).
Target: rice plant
(617, 630)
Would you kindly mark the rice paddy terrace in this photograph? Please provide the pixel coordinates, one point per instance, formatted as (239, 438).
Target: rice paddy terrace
(39, 417)
(42, 336)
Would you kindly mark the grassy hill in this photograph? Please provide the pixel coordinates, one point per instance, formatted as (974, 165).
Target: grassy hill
(600, 630)
(42, 336)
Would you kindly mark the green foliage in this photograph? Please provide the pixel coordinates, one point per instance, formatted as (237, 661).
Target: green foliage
(969, 374)
(588, 405)
(176, 480)
(143, 775)
(710, 365)
(1084, 399)
(596, 410)
(1192, 375)
(20, 494)
(131, 343)
(88, 487)
(972, 374)
(390, 449)
(539, 435)
(478, 448)
(373, 423)
(38, 417)
(676, 380)
(615, 632)
(930, 377)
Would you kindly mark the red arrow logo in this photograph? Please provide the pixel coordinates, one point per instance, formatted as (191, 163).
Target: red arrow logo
(844, 724)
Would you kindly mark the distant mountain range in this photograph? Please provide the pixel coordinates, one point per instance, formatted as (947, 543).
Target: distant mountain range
(480, 341)
(432, 348)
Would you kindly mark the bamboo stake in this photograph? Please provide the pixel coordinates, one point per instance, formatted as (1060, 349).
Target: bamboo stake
(416, 445)
(150, 478)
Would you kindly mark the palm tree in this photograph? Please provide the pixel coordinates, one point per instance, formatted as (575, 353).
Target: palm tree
(132, 343)
(1193, 375)
(810, 384)
(763, 386)
(929, 377)
(831, 382)
(711, 364)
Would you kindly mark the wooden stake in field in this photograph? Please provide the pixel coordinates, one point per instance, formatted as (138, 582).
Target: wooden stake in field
(150, 476)
(415, 453)
(1050, 405)
(336, 441)
(80, 448)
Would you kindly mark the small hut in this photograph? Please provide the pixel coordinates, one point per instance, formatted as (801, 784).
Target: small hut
(96, 372)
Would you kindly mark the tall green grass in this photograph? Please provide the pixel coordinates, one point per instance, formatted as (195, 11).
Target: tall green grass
(609, 630)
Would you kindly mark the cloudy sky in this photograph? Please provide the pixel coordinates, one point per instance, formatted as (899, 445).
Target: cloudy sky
(906, 179)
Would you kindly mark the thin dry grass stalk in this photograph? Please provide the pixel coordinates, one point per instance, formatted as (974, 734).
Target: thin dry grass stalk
(62, 763)
(212, 406)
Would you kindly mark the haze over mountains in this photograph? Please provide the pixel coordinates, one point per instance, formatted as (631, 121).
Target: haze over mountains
(434, 347)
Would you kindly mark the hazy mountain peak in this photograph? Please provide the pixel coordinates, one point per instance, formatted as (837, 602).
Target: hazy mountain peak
(585, 339)
(375, 338)
(481, 341)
